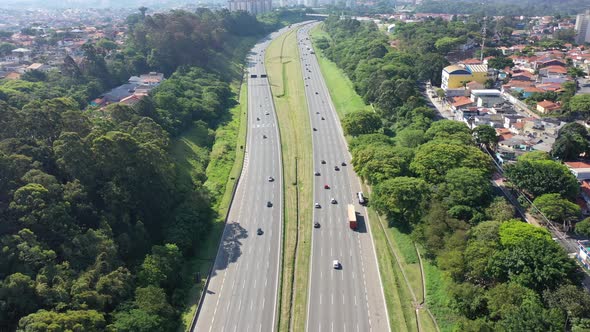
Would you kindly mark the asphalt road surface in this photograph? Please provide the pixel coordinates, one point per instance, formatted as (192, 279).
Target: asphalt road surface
(242, 291)
(350, 298)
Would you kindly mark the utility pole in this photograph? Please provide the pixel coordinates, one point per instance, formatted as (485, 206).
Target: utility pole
(484, 30)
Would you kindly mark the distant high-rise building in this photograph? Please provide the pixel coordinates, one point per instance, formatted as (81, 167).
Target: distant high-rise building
(251, 6)
(310, 3)
(583, 28)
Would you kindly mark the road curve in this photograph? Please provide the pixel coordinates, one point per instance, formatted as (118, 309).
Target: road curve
(242, 290)
(351, 298)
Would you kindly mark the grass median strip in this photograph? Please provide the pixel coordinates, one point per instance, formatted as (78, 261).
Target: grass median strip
(285, 75)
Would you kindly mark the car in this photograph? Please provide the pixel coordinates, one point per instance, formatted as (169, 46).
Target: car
(316, 225)
(315, 129)
(323, 118)
(323, 161)
(267, 113)
(317, 112)
(317, 205)
(271, 179)
(316, 93)
(336, 168)
(343, 163)
(269, 204)
(257, 119)
(336, 264)
(326, 186)
(317, 173)
(259, 231)
(263, 136)
(333, 201)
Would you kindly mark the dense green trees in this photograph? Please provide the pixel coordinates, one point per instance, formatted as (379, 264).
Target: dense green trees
(538, 177)
(97, 219)
(430, 179)
(572, 140)
(361, 122)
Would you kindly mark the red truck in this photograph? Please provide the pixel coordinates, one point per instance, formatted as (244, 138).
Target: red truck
(352, 217)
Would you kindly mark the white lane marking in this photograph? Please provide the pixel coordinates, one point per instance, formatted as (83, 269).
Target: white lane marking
(320, 298)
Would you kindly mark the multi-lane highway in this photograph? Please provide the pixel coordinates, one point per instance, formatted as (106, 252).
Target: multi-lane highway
(350, 298)
(242, 291)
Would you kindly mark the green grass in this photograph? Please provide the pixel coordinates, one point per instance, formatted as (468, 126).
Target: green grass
(225, 165)
(438, 298)
(286, 79)
(341, 89)
(397, 296)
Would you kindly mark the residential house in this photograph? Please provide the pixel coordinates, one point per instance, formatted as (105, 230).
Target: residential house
(547, 106)
(581, 170)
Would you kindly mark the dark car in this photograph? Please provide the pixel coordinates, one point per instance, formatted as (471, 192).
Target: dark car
(316, 225)
(323, 161)
(269, 204)
(315, 129)
(336, 168)
(323, 118)
(317, 173)
(343, 164)
(316, 93)
(259, 231)
(333, 201)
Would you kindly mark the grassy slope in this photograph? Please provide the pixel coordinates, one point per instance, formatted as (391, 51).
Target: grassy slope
(284, 71)
(396, 290)
(225, 165)
(341, 89)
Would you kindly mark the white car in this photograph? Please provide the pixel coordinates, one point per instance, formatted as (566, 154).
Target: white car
(336, 264)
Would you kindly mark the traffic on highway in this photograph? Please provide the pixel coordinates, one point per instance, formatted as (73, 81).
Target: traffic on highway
(345, 288)
(242, 291)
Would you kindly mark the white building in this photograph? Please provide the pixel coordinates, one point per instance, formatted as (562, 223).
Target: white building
(251, 6)
(583, 28)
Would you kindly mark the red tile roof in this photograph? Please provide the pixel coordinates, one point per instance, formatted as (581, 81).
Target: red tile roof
(578, 164)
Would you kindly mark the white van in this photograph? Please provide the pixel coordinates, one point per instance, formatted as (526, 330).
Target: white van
(361, 198)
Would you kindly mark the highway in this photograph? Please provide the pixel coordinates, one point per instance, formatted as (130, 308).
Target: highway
(242, 290)
(350, 298)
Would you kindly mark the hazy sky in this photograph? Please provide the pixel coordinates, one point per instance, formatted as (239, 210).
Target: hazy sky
(94, 3)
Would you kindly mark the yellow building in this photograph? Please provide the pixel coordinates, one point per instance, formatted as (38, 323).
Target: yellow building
(455, 76)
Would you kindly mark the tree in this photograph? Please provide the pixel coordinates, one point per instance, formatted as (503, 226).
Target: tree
(530, 257)
(500, 210)
(434, 159)
(486, 134)
(558, 209)
(160, 268)
(500, 63)
(572, 300)
(137, 320)
(538, 177)
(71, 320)
(17, 297)
(580, 103)
(410, 138)
(380, 162)
(504, 299)
(583, 227)
(572, 141)
(465, 186)
(361, 122)
(401, 199)
(446, 129)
